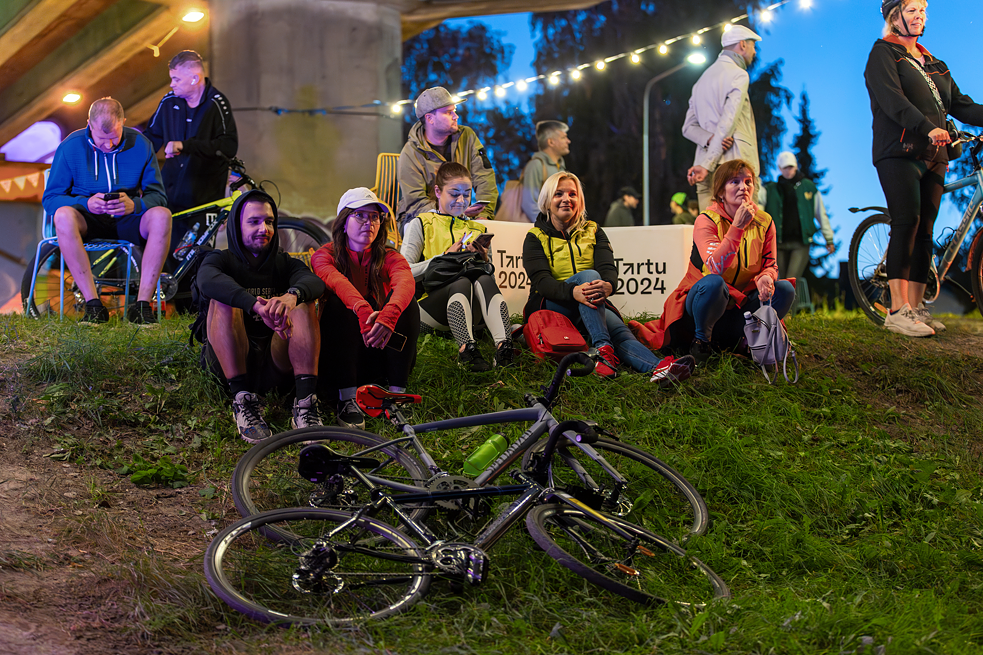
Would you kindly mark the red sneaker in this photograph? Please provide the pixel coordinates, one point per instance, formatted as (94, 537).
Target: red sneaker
(606, 366)
(671, 370)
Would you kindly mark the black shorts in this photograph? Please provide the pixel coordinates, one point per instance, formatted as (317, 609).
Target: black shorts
(263, 374)
(104, 226)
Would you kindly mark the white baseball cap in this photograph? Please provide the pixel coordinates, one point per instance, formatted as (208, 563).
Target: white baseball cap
(736, 34)
(361, 197)
(787, 159)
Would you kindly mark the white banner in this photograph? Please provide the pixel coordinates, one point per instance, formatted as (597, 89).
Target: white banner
(651, 261)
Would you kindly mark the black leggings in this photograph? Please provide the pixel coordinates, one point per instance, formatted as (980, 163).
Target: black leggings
(453, 307)
(345, 359)
(913, 189)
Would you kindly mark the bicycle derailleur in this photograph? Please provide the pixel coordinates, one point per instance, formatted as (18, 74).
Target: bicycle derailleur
(314, 574)
(461, 561)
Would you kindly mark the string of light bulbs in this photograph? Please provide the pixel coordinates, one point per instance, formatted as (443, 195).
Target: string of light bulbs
(765, 16)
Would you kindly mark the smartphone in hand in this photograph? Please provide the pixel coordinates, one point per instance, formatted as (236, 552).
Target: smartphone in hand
(483, 241)
(110, 196)
(396, 342)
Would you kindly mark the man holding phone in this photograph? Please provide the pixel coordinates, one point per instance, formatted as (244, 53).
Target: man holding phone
(437, 138)
(105, 184)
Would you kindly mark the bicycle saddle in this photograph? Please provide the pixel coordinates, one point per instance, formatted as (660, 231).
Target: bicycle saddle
(372, 399)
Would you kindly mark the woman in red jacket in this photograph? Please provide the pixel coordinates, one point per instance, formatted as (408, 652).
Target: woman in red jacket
(369, 318)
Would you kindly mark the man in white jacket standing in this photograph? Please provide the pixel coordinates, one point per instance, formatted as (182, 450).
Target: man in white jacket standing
(719, 120)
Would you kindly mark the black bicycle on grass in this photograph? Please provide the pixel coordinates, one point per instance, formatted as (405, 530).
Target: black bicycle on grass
(868, 248)
(342, 565)
(42, 291)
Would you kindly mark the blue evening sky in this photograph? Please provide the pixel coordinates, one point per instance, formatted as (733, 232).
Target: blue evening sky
(825, 50)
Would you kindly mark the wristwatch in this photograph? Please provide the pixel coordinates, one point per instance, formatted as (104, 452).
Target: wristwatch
(295, 291)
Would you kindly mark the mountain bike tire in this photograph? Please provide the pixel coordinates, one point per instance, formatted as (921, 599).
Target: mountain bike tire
(657, 498)
(266, 477)
(378, 571)
(644, 568)
(109, 272)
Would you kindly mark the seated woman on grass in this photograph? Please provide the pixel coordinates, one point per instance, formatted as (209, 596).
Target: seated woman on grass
(732, 270)
(570, 265)
(459, 304)
(369, 320)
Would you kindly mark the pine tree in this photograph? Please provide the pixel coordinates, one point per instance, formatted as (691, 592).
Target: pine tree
(807, 137)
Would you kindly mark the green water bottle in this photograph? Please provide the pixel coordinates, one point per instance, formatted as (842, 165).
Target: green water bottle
(485, 455)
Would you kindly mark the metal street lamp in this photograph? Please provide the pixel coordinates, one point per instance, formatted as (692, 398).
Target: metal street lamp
(695, 59)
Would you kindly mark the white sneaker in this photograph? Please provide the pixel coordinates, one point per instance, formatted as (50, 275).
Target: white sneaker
(905, 321)
(306, 413)
(926, 317)
(248, 415)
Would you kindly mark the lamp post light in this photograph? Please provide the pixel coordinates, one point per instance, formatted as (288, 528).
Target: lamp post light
(695, 59)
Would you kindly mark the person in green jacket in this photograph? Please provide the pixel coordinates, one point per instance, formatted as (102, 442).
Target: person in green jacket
(794, 203)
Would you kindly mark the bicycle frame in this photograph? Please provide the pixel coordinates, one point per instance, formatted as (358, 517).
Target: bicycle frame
(952, 250)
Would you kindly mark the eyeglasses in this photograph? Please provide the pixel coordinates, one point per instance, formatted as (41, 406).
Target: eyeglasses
(365, 218)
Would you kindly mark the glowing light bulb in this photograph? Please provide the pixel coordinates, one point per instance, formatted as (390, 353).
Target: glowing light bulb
(499, 92)
(482, 95)
(193, 16)
(599, 65)
(635, 58)
(663, 49)
(697, 58)
(805, 4)
(554, 80)
(575, 74)
(71, 98)
(396, 108)
(728, 27)
(696, 39)
(767, 16)
(521, 85)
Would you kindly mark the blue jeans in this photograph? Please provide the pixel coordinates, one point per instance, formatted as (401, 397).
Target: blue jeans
(606, 328)
(707, 303)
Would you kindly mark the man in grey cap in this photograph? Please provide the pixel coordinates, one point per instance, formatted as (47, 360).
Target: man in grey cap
(719, 120)
(437, 138)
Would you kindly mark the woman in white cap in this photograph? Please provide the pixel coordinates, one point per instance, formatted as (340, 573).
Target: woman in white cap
(369, 318)
(911, 92)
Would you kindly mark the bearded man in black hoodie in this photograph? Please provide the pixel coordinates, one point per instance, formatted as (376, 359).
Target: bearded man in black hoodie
(261, 323)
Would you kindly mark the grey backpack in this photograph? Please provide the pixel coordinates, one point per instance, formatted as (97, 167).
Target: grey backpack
(769, 342)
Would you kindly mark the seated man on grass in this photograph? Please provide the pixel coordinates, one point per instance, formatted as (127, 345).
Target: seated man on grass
(261, 324)
(105, 184)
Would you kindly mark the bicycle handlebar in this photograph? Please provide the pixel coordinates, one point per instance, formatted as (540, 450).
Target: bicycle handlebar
(567, 367)
(238, 167)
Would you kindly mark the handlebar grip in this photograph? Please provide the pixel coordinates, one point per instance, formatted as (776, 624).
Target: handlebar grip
(586, 364)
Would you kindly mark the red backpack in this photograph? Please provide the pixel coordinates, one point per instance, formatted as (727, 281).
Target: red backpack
(551, 334)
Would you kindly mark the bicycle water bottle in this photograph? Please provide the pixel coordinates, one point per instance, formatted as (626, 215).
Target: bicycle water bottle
(485, 455)
(184, 247)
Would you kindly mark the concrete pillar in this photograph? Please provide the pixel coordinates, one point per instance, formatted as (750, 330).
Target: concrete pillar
(308, 54)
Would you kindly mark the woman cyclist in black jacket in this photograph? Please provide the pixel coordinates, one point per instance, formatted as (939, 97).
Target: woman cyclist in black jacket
(911, 92)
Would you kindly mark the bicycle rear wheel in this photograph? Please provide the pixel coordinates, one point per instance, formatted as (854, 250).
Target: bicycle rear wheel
(657, 497)
(868, 266)
(300, 235)
(266, 477)
(643, 567)
(325, 575)
(109, 274)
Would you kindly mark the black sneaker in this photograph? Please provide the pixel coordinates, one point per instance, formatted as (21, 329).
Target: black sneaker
(142, 314)
(349, 415)
(505, 354)
(95, 313)
(307, 413)
(700, 350)
(248, 415)
(472, 360)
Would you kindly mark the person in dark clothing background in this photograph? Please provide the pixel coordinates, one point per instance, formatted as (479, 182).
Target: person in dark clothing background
(261, 322)
(911, 92)
(619, 213)
(192, 123)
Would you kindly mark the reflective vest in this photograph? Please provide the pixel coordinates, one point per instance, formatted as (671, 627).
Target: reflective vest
(441, 231)
(569, 256)
(746, 264)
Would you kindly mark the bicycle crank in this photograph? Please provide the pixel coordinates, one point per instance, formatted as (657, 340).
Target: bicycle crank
(460, 560)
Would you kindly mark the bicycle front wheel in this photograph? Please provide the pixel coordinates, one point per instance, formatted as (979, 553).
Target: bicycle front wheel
(266, 477)
(642, 566)
(657, 497)
(300, 235)
(327, 574)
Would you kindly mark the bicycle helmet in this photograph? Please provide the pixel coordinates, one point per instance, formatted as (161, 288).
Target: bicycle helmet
(888, 5)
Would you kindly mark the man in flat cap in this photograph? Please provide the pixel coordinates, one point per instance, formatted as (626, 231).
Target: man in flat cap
(437, 138)
(719, 120)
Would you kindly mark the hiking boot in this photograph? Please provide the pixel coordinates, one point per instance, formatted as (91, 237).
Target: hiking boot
(926, 317)
(607, 363)
(504, 354)
(307, 413)
(142, 314)
(671, 370)
(248, 415)
(905, 321)
(471, 359)
(349, 415)
(700, 350)
(95, 313)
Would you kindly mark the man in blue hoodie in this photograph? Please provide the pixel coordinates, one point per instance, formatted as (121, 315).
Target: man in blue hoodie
(261, 324)
(105, 184)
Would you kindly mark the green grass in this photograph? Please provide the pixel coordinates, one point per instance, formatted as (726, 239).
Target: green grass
(847, 510)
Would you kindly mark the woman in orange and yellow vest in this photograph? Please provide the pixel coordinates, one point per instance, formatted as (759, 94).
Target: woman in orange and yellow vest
(732, 270)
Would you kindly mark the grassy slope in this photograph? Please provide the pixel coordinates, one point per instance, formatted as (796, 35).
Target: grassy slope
(846, 510)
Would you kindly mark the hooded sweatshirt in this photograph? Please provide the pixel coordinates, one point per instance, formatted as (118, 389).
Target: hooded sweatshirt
(235, 277)
(80, 170)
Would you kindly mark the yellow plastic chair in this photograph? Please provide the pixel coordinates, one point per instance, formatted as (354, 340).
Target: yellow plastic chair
(387, 189)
